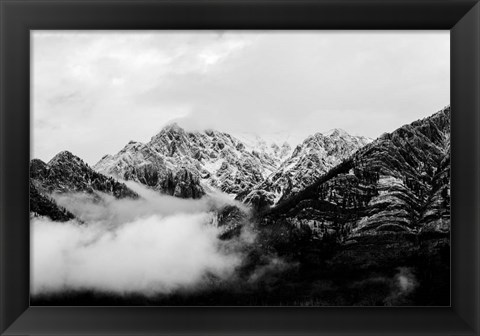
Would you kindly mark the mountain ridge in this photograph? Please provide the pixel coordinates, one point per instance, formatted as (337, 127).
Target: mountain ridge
(67, 173)
(399, 180)
(213, 159)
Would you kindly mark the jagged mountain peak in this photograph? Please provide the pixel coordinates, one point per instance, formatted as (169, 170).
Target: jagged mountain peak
(336, 132)
(66, 172)
(172, 127)
(170, 132)
(62, 155)
(336, 141)
(313, 157)
(129, 146)
(216, 160)
(339, 134)
(66, 157)
(233, 164)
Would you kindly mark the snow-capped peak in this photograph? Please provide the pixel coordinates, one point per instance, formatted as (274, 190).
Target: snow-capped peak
(234, 164)
(310, 159)
(336, 132)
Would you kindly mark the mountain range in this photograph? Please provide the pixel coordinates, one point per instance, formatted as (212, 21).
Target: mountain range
(343, 207)
(189, 164)
(398, 182)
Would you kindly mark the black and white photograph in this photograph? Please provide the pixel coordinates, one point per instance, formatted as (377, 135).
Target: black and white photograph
(240, 168)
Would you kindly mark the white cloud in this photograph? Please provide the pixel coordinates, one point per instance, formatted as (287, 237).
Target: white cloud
(156, 244)
(150, 255)
(95, 91)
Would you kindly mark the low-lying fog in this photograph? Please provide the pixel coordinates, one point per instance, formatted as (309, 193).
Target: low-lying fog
(155, 244)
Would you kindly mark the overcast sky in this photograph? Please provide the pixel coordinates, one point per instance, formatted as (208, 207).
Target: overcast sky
(95, 91)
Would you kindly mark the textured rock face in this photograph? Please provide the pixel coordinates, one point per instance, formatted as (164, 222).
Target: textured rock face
(207, 159)
(184, 185)
(400, 183)
(250, 169)
(137, 162)
(310, 160)
(379, 218)
(67, 173)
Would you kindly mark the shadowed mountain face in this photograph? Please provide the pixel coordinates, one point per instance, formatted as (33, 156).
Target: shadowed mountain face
(43, 205)
(399, 183)
(382, 213)
(67, 173)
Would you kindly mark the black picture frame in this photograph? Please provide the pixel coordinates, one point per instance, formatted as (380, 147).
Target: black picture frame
(18, 17)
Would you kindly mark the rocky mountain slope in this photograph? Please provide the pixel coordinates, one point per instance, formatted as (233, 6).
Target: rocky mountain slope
(310, 160)
(188, 164)
(375, 229)
(398, 183)
(42, 205)
(67, 173)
